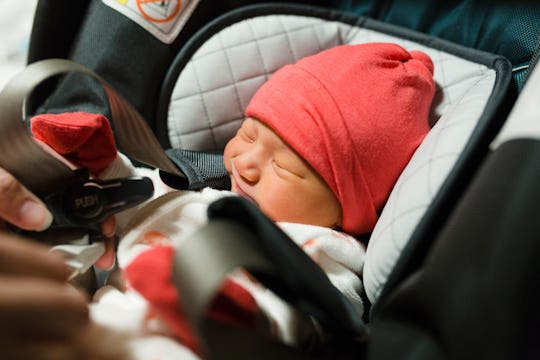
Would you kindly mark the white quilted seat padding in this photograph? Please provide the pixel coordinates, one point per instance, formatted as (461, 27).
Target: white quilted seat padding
(212, 91)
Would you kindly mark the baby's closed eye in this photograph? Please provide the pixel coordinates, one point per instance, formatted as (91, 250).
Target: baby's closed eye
(286, 169)
(246, 136)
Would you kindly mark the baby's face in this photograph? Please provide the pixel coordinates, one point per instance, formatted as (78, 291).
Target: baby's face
(264, 169)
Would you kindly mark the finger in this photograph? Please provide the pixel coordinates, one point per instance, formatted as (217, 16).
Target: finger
(92, 342)
(39, 349)
(20, 207)
(108, 227)
(20, 256)
(40, 308)
(106, 261)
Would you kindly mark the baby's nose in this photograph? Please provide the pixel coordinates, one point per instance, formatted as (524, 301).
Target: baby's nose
(247, 167)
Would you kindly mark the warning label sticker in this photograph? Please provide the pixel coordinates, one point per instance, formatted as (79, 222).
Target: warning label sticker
(163, 19)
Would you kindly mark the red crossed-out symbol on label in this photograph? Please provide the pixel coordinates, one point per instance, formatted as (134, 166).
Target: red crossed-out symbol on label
(159, 11)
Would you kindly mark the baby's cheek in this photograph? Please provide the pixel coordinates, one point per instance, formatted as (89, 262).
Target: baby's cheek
(227, 162)
(278, 206)
(231, 150)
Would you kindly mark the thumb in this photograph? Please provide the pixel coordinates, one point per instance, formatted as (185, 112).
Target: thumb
(20, 207)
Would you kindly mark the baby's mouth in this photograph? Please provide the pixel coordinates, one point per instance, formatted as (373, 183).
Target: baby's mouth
(236, 188)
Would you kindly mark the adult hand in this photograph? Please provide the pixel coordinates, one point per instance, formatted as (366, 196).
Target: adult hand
(40, 313)
(108, 227)
(23, 209)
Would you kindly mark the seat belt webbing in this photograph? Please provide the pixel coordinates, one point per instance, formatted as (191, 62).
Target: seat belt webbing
(23, 158)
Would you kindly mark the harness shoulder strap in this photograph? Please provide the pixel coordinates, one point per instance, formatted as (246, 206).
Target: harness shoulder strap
(24, 158)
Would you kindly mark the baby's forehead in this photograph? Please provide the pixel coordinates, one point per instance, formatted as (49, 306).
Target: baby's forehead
(251, 121)
(282, 147)
(260, 128)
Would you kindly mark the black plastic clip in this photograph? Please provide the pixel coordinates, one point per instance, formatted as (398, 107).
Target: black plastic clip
(86, 202)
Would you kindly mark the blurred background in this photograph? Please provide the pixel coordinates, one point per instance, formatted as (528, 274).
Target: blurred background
(15, 26)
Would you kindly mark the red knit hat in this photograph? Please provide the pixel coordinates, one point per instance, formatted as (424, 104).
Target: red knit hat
(356, 114)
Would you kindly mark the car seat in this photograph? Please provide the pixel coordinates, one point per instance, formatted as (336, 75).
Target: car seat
(474, 103)
(407, 225)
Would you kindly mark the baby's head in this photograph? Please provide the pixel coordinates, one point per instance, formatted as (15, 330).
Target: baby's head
(325, 139)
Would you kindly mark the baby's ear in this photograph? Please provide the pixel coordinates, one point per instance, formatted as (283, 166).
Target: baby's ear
(83, 138)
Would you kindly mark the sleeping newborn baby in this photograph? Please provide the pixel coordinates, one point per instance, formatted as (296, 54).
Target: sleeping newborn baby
(322, 145)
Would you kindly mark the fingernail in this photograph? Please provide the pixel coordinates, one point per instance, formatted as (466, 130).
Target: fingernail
(35, 215)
